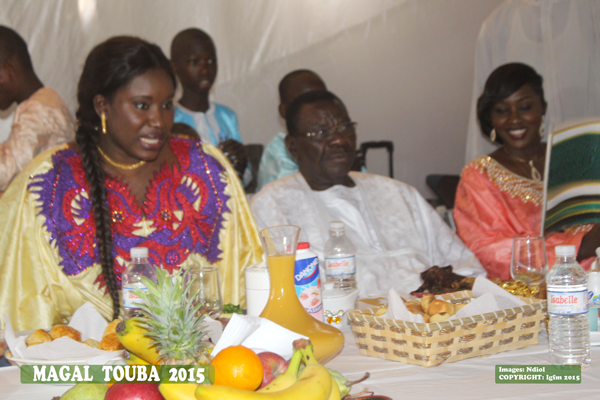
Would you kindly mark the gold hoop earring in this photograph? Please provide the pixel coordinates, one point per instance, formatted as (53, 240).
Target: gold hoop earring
(103, 118)
(542, 126)
(493, 135)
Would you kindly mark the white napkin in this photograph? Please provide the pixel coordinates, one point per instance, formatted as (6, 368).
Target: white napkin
(487, 297)
(86, 320)
(214, 329)
(258, 334)
(397, 309)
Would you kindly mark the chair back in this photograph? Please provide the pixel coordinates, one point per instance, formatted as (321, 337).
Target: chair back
(386, 144)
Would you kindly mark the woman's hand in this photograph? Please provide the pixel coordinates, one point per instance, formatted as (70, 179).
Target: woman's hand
(236, 153)
(589, 243)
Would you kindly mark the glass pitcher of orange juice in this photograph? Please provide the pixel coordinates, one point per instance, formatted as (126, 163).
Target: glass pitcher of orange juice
(283, 306)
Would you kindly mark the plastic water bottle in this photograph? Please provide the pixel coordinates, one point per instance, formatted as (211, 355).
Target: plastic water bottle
(340, 264)
(308, 281)
(594, 294)
(568, 308)
(132, 279)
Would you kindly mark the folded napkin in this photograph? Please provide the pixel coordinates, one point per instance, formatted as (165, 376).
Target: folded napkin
(397, 309)
(214, 328)
(258, 334)
(488, 297)
(86, 320)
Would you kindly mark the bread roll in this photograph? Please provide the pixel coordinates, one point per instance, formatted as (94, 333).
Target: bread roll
(380, 311)
(439, 317)
(111, 342)
(111, 328)
(426, 301)
(414, 308)
(37, 337)
(440, 306)
(92, 343)
(59, 331)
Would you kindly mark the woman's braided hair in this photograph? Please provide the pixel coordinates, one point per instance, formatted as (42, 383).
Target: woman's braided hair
(109, 66)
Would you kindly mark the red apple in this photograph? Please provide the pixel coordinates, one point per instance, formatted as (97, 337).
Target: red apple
(133, 391)
(273, 366)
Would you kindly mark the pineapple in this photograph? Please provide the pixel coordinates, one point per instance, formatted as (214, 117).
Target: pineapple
(172, 321)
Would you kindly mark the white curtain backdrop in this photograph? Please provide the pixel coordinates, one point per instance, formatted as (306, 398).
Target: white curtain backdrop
(404, 68)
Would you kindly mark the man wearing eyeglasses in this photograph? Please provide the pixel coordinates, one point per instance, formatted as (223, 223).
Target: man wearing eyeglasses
(396, 233)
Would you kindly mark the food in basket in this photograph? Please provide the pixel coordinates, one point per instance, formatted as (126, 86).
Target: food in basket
(430, 308)
(37, 337)
(111, 328)
(439, 307)
(449, 341)
(111, 342)
(426, 301)
(60, 330)
(92, 343)
(380, 311)
(439, 317)
(438, 280)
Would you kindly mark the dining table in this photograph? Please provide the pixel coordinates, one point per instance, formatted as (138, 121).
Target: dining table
(473, 378)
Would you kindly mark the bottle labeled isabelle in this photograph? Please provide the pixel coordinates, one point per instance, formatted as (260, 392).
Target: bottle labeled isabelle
(132, 280)
(340, 263)
(568, 308)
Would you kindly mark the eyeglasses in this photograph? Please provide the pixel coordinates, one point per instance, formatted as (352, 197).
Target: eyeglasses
(346, 129)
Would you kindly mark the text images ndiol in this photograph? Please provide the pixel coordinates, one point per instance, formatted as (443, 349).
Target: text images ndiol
(538, 374)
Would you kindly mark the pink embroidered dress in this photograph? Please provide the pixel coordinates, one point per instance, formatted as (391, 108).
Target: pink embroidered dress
(493, 205)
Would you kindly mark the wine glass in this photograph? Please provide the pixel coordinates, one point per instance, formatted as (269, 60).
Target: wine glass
(205, 288)
(529, 262)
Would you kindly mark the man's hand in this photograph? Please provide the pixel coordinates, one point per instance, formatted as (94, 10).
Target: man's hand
(236, 153)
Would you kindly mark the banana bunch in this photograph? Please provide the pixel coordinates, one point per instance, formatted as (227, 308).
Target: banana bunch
(313, 383)
(310, 381)
(139, 346)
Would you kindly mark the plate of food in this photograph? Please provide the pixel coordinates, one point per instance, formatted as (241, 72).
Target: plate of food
(87, 339)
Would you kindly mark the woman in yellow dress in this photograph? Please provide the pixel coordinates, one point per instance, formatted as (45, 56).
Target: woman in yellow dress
(70, 219)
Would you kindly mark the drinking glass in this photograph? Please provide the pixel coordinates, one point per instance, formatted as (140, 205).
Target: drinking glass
(205, 288)
(529, 262)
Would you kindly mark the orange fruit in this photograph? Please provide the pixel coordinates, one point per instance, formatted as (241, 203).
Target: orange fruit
(238, 367)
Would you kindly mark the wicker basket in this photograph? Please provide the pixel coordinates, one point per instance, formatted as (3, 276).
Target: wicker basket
(449, 341)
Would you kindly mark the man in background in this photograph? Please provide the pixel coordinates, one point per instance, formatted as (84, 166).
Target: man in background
(42, 119)
(194, 59)
(276, 162)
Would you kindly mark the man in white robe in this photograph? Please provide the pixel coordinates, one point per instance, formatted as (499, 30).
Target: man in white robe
(396, 233)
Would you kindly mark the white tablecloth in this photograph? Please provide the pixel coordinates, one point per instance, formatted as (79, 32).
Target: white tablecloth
(467, 379)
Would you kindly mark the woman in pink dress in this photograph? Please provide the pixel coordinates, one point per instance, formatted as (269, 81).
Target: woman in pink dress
(499, 196)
